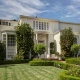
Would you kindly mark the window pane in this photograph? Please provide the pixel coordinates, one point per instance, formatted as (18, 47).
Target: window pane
(11, 40)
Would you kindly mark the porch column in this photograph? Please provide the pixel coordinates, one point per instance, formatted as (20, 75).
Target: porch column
(6, 45)
(36, 38)
(48, 55)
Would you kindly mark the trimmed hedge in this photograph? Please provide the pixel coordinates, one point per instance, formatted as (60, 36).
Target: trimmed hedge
(61, 65)
(41, 63)
(73, 61)
(14, 61)
(63, 76)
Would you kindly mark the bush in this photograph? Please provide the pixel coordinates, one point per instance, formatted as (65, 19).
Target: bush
(14, 61)
(2, 51)
(73, 61)
(41, 63)
(74, 72)
(64, 76)
(75, 48)
(39, 48)
(61, 65)
(37, 59)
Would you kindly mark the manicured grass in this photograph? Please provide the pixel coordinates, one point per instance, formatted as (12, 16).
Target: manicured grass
(27, 72)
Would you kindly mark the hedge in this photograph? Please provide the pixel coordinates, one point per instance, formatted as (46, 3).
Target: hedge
(61, 65)
(14, 61)
(63, 76)
(73, 61)
(41, 63)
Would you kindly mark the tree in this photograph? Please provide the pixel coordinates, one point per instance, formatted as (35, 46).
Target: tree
(39, 48)
(25, 39)
(75, 48)
(2, 51)
(66, 41)
(52, 48)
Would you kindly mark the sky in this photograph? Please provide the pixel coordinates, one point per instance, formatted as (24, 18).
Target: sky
(63, 10)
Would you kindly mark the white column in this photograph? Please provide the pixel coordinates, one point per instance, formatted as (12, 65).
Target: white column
(48, 55)
(36, 38)
(6, 46)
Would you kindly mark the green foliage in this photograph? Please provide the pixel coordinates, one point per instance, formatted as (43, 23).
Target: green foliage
(14, 61)
(37, 59)
(52, 48)
(2, 51)
(66, 41)
(39, 48)
(73, 61)
(41, 63)
(25, 38)
(64, 76)
(19, 56)
(58, 64)
(74, 72)
(75, 48)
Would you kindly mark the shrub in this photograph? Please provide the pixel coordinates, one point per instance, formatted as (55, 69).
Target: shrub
(74, 72)
(75, 48)
(37, 59)
(15, 61)
(52, 48)
(41, 63)
(39, 48)
(2, 51)
(73, 61)
(61, 65)
(63, 76)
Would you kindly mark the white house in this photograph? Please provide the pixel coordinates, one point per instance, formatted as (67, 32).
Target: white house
(45, 30)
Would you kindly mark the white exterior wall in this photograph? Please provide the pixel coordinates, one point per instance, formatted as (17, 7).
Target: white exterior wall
(75, 29)
(57, 42)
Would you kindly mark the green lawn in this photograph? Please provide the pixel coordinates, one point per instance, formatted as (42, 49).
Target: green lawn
(27, 72)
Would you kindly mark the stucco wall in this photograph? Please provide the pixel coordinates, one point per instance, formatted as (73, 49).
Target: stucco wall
(75, 27)
(57, 42)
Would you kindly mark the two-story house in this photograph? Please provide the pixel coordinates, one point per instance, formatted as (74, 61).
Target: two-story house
(45, 31)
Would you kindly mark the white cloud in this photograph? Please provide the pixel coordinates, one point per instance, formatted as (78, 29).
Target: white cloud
(73, 9)
(13, 8)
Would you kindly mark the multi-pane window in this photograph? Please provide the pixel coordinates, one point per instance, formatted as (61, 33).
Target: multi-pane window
(11, 40)
(36, 25)
(4, 38)
(40, 25)
(33, 24)
(5, 23)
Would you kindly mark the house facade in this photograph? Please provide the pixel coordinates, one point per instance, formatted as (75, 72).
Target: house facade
(45, 31)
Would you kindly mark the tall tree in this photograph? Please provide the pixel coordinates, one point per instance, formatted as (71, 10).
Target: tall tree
(25, 39)
(66, 41)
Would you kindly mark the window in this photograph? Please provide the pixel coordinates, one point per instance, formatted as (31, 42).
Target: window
(41, 41)
(6, 23)
(33, 24)
(0, 22)
(9, 24)
(36, 24)
(40, 25)
(4, 38)
(11, 40)
(75, 40)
